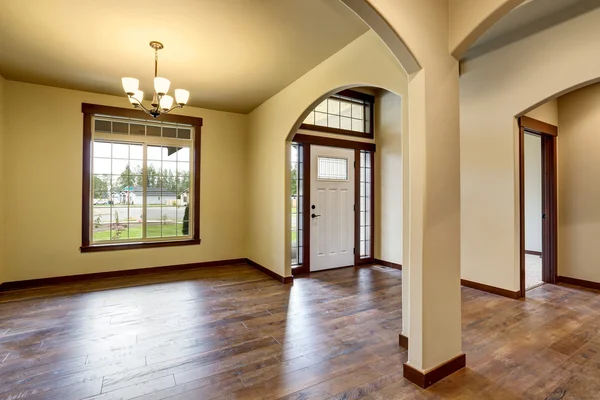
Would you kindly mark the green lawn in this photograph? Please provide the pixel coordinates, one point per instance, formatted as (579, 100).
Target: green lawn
(135, 232)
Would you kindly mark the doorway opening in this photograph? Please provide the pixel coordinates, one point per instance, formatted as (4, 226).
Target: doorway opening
(332, 203)
(538, 203)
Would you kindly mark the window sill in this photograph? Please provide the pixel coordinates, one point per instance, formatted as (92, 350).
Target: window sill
(139, 245)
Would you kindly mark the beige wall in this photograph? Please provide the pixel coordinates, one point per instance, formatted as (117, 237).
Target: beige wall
(388, 177)
(547, 112)
(2, 190)
(533, 192)
(494, 89)
(469, 19)
(42, 161)
(364, 62)
(578, 189)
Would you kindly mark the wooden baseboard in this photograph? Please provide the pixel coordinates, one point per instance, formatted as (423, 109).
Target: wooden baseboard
(403, 341)
(579, 282)
(387, 264)
(274, 275)
(533, 252)
(436, 374)
(491, 289)
(36, 283)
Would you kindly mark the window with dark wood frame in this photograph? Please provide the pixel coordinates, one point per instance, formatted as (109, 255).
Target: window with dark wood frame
(346, 113)
(173, 134)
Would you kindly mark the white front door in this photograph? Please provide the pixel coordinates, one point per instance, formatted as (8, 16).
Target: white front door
(332, 208)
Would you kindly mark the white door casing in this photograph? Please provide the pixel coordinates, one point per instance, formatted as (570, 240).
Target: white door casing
(332, 195)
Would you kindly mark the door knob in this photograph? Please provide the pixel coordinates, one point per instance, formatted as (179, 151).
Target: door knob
(315, 216)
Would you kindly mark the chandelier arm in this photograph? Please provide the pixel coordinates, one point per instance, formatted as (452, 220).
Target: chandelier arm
(139, 104)
(172, 108)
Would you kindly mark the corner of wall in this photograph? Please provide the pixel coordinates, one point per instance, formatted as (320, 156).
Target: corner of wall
(3, 273)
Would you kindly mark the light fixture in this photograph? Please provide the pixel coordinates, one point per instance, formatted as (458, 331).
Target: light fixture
(162, 103)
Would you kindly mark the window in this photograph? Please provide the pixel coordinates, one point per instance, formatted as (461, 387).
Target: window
(297, 182)
(366, 204)
(347, 112)
(332, 169)
(140, 181)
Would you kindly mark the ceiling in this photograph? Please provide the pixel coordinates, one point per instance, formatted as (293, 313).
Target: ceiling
(232, 55)
(530, 17)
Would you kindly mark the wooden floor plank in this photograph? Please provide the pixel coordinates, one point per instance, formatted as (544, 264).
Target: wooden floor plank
(232, 332)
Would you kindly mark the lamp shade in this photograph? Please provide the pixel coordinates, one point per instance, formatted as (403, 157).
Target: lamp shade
(130, 85)
(161, 85)
(137, 98)
(166, 102)
(181, 96)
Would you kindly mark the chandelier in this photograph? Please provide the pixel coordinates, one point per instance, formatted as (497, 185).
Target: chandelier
(161, 103)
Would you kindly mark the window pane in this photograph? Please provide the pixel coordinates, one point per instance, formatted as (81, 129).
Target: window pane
(310, 118)
(120, 167)
(153, 130)
(358, 125)
(169, 132)
(136, 129)
(102, 126)
(183, 169)
(154, 153)
(120, 127)
(136, 152)
(102, 149)
(345, 109)
(101, 165)
(120, 150)
(332, 168)
(357, 111)
(169, 168)
(183, 154)
(333, 121)
(333, 106)
(320, 119)
(101, 222)
(322, 107)
(346, 123)
(184, 133)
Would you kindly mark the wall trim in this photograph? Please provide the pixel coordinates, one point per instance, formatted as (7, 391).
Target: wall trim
(403, 341)
(491, 289)
(41, 282)
(579, 282)
(426, 379)
(331, 142)
(533, 252)
(387, 263)
(274, 275)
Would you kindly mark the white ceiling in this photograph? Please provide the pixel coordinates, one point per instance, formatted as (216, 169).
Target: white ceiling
(231, 55)
(530, 17)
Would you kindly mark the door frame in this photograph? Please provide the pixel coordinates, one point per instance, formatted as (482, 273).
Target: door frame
(307, 141)
(548, 134)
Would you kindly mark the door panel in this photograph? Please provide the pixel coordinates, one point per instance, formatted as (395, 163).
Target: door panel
(332, 204)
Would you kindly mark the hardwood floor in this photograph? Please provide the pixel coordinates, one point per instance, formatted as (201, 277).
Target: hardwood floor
(235, 333)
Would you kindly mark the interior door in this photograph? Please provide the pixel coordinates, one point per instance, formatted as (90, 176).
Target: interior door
(332, 208)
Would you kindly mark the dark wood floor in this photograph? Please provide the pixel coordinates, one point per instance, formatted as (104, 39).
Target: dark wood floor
(234, 333)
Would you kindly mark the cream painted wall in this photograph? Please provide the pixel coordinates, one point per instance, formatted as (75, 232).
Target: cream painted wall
(533, 192)
(389, 126)
(547, 112)
(469, 19)
(42, 165)
(578, 189)
(2, 190)
(494, 89)
(364, 62)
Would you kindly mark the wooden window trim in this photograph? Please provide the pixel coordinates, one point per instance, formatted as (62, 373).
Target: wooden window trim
(89, 111)
(366, 98)
(330, 142)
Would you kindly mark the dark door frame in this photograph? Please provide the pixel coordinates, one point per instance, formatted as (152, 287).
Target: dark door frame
(307, 141)
(548, 134)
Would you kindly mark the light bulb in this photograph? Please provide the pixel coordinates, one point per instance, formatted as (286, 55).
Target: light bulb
(181, 96)
(166, 102)
(137, 98)
(161, 85)
(130, 85)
